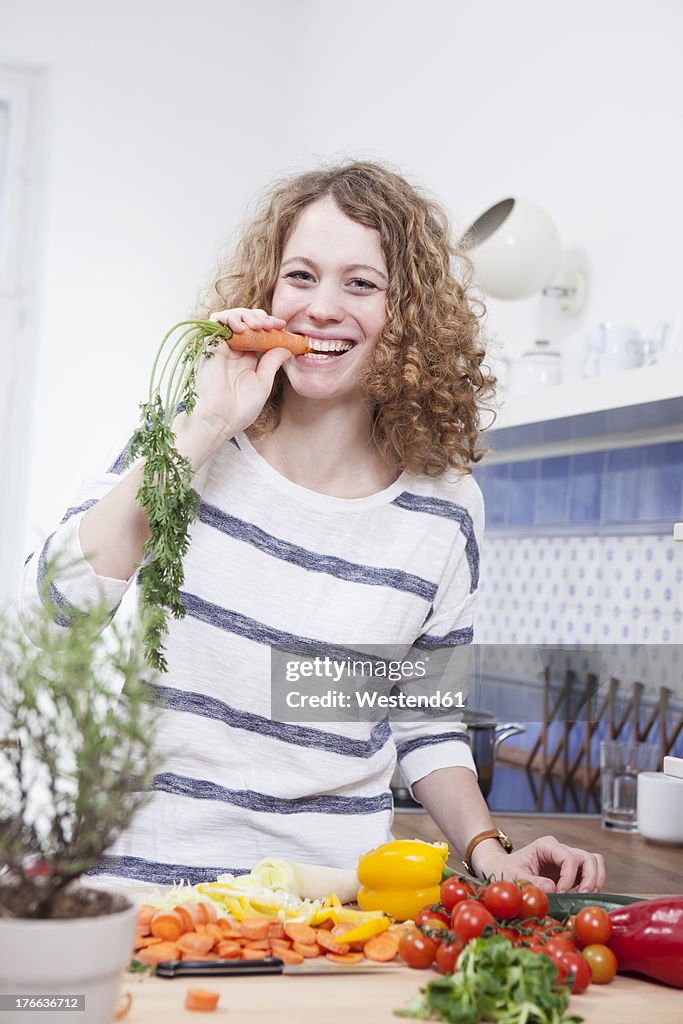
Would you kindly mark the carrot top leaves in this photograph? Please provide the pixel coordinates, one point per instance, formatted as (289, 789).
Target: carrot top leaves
(166, 491)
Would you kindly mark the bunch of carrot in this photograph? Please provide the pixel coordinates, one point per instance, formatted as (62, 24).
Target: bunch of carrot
(193, 931)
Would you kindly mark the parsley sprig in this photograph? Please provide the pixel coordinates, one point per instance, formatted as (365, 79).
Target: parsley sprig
(166, 491)
(494, 981)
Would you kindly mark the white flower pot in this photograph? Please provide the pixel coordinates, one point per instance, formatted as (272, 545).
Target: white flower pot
(76, 957)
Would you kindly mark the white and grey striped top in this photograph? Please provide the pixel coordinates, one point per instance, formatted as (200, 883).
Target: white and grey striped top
(273, 563)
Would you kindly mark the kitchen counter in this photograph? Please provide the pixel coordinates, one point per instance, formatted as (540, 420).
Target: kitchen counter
(631, 865)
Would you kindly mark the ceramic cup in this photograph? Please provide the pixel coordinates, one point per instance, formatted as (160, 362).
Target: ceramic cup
(612, 348)
(660, 808)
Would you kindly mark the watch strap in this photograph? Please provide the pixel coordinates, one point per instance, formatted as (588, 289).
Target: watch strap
(488, 833)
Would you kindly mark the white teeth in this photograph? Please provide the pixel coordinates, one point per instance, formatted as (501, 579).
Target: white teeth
(320, 345)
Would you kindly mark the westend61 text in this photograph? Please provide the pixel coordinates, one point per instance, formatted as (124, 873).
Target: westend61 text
(362, 699)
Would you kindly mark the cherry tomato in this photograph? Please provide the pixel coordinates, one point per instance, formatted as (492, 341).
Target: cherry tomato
(503, 899)
(556, 948)
(453, 891)
(576, 965)
(416, 949)
(429, 914)
(447, 956)
(469, 919)
(534, 903)
(592, 924)
(602, 962)
(435, 930)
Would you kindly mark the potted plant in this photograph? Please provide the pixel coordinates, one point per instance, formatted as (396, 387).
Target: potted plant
(76, 763)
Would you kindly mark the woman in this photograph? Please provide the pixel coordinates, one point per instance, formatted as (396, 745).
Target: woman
(336, 508)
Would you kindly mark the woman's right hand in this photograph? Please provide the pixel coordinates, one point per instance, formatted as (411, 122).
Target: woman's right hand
(232, 387)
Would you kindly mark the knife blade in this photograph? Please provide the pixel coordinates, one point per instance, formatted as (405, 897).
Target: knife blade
(270, 965)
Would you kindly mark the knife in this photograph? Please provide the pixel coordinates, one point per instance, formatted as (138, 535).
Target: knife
(270, 965)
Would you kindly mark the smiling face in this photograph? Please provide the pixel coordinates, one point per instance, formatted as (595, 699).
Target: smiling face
(331, 287)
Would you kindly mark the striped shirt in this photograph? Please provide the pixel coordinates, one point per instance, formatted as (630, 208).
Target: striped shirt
(273, 564)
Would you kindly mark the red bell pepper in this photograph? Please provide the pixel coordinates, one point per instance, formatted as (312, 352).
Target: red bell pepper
(647, 937)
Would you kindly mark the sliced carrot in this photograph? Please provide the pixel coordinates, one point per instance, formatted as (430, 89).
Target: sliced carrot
(329, 943)
(254, 954)
(381, 948)
(307, 949)
(255, 927)
(185, 916)
(193, 942)
(340, 930)
(123, 1006)
(228, 950)
(280, 944)
(276, 930)
(298, 932)
(327, 924)
(258, 944)
(143, 941)
(289, 956)
(201, 999)
(145, 914)
(262, 341)
(211, 929)
(344, 958)
(210, 911)
(153, 955)
(196, 912)
(167, 925)
(230, 929)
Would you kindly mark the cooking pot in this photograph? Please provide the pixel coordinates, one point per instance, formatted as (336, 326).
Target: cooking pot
(486, 735)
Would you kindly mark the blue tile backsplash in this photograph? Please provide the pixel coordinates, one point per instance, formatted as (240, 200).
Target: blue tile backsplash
(628, 490)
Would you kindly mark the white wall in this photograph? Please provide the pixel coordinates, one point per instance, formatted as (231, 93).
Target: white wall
(165, 117)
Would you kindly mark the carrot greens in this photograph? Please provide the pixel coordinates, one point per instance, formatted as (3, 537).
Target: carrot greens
(166, 491)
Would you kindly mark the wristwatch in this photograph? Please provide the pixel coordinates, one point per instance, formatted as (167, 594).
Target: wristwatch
(489, 833)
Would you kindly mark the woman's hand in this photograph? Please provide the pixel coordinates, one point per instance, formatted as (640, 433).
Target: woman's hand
(547, 863)
(232, 387)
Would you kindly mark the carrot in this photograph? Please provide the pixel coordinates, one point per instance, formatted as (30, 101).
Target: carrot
(211, 929)
(254, 954)
(196, 912)
(288, 956)
(201, 999)
(277, 944)
(186, 917)
(143, 941)
(298, 932)
(209, 911)
(167, 925)
(255, 927)
(230, 929)
(276, 930)
(263, 341)
(381, 948)
(154, 955)
(307, 949)
(123, 1006)
(192, 942)
(257, 944)
(145, 914)
(344, 958)
(227, 949)
(329, 943)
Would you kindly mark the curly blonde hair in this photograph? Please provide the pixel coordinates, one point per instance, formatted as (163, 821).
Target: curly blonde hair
(426, 382)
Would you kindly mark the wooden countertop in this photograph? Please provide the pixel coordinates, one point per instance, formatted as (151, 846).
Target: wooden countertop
(633, 864)
(358, 999)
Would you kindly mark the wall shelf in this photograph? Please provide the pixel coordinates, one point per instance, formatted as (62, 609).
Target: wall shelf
(630, 409)
(642, 386)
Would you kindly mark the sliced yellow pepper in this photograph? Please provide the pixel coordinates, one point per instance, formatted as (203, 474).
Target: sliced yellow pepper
(366, 931)
(401, 877)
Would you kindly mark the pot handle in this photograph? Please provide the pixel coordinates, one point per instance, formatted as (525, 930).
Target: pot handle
(503, 732)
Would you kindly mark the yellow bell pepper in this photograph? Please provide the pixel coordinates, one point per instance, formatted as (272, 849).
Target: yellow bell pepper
(401, 877)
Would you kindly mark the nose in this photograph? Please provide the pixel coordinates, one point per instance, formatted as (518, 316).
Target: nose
(324, 304)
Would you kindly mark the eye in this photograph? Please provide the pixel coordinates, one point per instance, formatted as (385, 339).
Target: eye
(299, 275)
(362, 285)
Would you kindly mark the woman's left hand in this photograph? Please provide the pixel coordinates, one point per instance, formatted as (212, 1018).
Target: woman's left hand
(547, 863)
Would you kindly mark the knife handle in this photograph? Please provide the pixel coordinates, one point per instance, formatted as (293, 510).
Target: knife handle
(196, 968)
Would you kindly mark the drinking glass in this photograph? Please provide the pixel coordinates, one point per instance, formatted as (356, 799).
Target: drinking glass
(620, 762)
